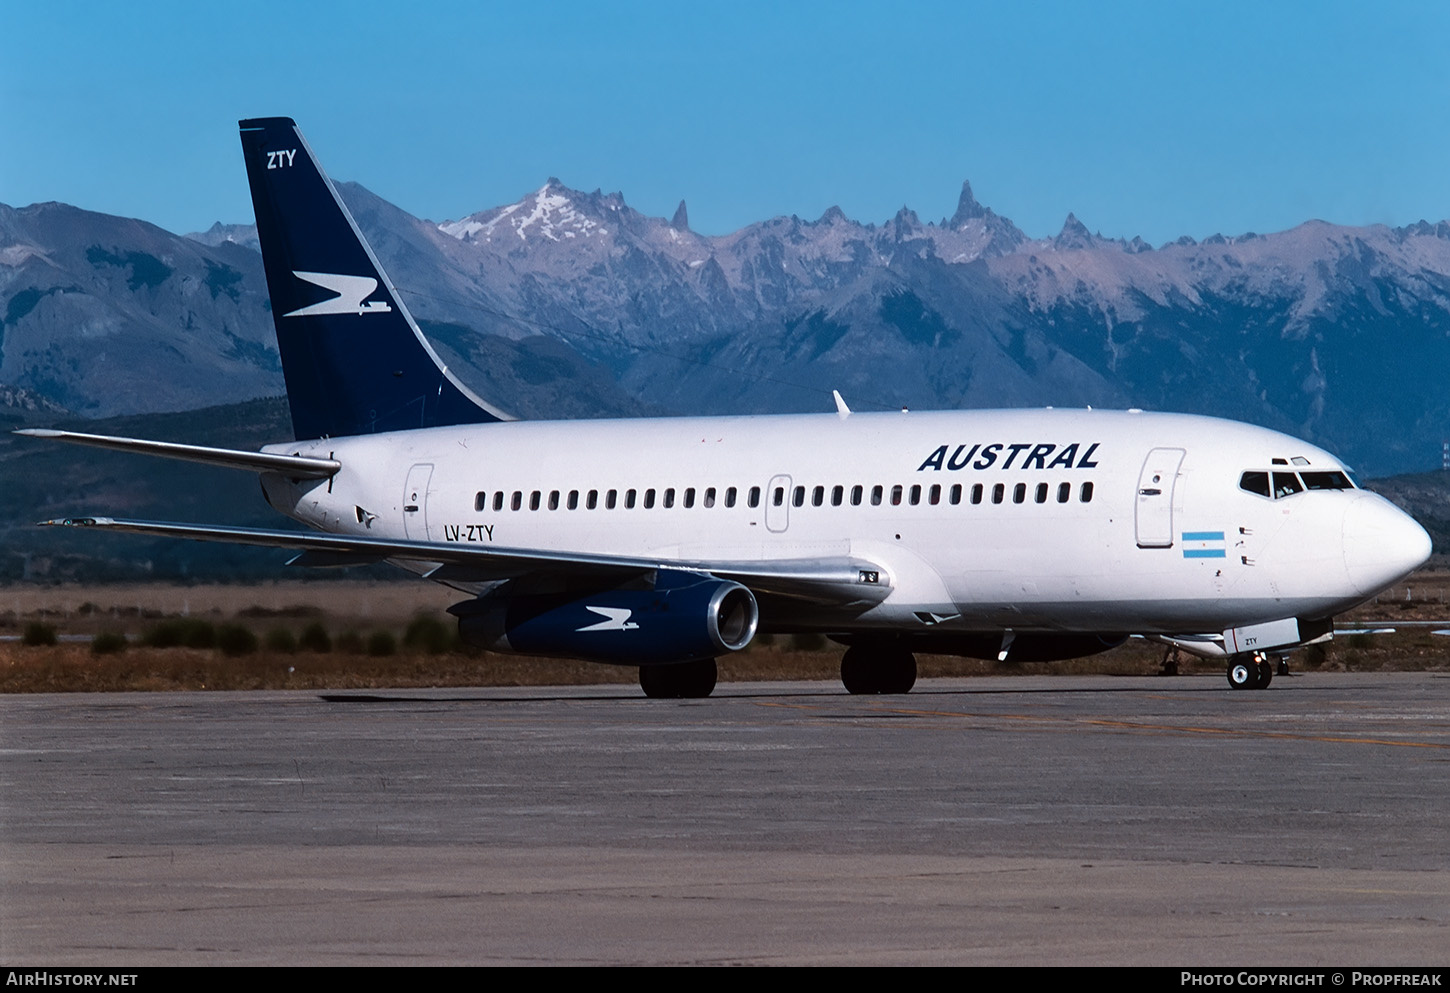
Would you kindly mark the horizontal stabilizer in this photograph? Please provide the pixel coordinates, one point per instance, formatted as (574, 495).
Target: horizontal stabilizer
(295, 466)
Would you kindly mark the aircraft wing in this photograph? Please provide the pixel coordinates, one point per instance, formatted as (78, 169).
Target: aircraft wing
(835, 580)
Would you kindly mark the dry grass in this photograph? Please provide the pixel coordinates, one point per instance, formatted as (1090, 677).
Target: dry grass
(364, 608)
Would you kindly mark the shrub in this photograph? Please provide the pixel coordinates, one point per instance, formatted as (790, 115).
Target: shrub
(179, 632)
(808, 642)
(349, 642)
(428, 634)
(233, 639)
(108, 643)
(37, 633)
(281, 640)
(315, 639)
(382, 643)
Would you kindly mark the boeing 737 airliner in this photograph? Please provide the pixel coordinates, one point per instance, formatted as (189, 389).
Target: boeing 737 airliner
(664, 544)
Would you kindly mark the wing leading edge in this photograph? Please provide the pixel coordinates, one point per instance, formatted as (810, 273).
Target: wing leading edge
(839, 580)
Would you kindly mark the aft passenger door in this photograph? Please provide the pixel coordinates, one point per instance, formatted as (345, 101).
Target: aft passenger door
(415, 501)
(1154, 511)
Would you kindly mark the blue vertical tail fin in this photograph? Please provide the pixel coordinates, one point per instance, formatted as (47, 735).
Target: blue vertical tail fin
(353, 358)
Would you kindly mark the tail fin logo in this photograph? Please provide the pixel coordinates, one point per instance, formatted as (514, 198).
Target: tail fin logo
(351, 292)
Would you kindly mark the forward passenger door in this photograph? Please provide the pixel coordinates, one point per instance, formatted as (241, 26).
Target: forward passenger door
(1154, 512)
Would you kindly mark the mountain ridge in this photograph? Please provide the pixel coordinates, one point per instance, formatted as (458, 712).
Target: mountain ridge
(580, 305)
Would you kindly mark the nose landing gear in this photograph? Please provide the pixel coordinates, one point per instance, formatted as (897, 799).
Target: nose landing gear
(1250, 672)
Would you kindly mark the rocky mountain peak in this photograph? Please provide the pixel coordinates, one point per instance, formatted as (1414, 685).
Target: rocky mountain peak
(219, 234)
(1073, 236)
(905, 222)
(968, 209)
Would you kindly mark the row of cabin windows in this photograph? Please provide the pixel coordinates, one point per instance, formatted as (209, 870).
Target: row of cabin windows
(818, 495)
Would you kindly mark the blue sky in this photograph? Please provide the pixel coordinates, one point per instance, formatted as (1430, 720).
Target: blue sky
(1158, 119)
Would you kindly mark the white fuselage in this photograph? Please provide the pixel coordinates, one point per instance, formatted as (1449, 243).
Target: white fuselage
(1050, 520)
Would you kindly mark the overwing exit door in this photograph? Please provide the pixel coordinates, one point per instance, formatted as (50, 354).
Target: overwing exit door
(777, 504)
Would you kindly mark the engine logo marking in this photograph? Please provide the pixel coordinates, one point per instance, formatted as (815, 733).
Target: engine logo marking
(615, 619)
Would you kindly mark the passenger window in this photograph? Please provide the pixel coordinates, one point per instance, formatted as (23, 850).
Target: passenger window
(915, 495)
(1041, 492)
(1019, 493)
(709, 498)
(534, 498)
(669, 497)
(573, 499)
(755, 496)
(778, 497)
(730, 496)
(838, 494)
(1286, 484)
(798, 498)
(629, 497)
(1255, 482)
(1064, 492)
(933, 495)
(517, 501)
(498, 500)
(592, 500)
(896, 496)
(610, 499)
(976, 493)
(818, 496)
(998, 491)
(856, 492)
(553, 499)
(876, 496)
(956, 493)
(480, 501)
(649, 498)
(1086, 494)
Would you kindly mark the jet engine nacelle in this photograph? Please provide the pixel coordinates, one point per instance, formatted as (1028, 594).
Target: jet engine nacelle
(685, 617)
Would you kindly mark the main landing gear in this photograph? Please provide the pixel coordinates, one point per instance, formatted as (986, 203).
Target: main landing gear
(1250, 672)
(681, 681)
(878, 669)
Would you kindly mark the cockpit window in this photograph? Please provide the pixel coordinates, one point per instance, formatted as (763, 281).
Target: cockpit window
(1255, 482)
(1326, 481)
(1278, 485)
(1286, 484)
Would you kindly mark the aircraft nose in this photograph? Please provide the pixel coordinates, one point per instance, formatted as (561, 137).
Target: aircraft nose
(1382, 544)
